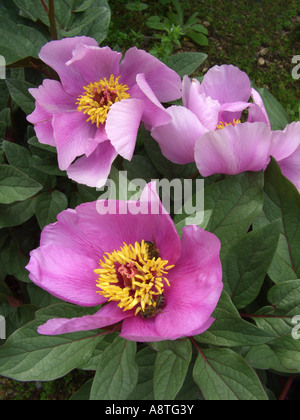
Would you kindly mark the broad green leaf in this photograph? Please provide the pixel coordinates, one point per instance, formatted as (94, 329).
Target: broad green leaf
(222, 374)
(278, 116)
(246, 264)
(145, 359)
(198, 37)
(230, 330)
(83, 394)
(89, 19)
(285, 297)
(282, 201)
(18, 90)
(169, 373)
(29, 356)
(48, 165)
(181, 348)
(186, 63)
(141, 167)
(18, 41)
(16, 185)
(13, 260)
(33, 10)
(117, 371)
(16, 213)
(17, 156)
(235, 202)
(48, 205)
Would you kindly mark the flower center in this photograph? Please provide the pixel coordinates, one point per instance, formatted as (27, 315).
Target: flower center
(99, 97)
(221, 124)
(134, 279)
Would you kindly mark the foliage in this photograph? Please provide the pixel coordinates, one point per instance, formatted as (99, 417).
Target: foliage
(249, 347)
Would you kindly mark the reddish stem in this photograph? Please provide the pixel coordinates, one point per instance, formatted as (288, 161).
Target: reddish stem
(286, 388)
(45, 6)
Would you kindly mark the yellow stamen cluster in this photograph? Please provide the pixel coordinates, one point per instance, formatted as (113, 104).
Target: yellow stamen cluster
(142, 283)
(99, 97)
(223, 125)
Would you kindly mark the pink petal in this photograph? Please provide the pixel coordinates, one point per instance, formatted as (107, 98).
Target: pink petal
(57, 53)
(233, 150)
(108, 315)
(206, 109)
(74, 137)
(257, 112)
(285, 142)
(164, 82)
(93, 170)
(290, 167)
(177, 139)
(42, 121)
(95, 63)
(122, 124)
(226, 84)
(109, 231)
(66, 274)
(154, 113)
(52, 97)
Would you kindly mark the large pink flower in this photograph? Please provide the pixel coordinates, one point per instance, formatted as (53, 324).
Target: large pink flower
(94, 112)
(160, 287)
(208, 128)
(285, 148)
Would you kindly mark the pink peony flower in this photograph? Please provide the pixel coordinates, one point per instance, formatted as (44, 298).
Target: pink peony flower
(285, 148)
(160, 287)
(94, 112)
(207, 129)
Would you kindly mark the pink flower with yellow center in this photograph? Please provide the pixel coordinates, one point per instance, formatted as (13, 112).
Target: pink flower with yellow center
(158, 286)
(209, 127)
(94, 112)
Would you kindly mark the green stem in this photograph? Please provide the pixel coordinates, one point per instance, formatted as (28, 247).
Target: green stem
(51, 15)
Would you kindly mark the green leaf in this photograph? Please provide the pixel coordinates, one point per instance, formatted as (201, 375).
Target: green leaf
(186, 63)
(246, 264)
(91, 20)
(16, 185)
(29, 356)
(18, 90)
(235, 202)
(282, 201)
(145, 359)
(230, 330)
(198, 37)
(16, 213)
(117, 372)
(18, 41)
(17, 156)
(13, 261)
(141, 167)
(33, 10)
(169, 373)
(285, 297)
(48, 205)
(278, 116)
(222, 374)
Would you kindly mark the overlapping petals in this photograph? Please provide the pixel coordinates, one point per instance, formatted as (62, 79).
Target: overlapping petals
(79, 63)
(222, 126)
(70, 251)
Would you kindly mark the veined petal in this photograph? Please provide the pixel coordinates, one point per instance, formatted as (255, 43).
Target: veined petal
(233, 150)
(177, 139)
(93, 170)
(65, 273)
(108, 315)
(95, 63)
(285, 142)
(122, 124)
(74, 137)
(226, 83)
(164, 82)
(42, 121)
(57, 53)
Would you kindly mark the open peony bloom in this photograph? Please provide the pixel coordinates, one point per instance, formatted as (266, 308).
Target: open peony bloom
(208, 128)
(285, 148)
(158, 286)
(94, 112)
